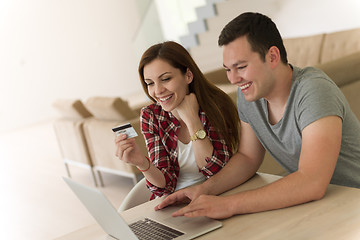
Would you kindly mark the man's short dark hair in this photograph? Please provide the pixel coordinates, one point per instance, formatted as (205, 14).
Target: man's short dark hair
(260, 30)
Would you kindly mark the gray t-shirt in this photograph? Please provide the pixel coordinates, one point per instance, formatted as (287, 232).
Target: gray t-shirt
(313, 95)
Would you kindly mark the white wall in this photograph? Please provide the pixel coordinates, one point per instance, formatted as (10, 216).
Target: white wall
(307, 17)
(53, 49)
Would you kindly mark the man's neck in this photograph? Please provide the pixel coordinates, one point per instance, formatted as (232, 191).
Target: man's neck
(279, 97)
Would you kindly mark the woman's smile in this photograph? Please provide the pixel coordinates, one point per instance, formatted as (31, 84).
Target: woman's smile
(165, 99)
(166, 84)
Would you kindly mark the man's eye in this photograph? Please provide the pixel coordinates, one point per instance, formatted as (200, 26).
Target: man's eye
(166, 79)
(241, 67)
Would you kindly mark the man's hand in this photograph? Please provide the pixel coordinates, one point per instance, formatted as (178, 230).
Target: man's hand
(209, 206)
(182, 196)
(200, 203)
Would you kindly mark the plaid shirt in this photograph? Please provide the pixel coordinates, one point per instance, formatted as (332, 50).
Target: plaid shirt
(160, 130)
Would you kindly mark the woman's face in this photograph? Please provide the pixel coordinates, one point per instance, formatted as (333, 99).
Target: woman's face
(166, 84)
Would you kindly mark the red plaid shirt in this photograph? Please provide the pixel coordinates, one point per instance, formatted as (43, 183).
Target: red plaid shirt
(160, 130)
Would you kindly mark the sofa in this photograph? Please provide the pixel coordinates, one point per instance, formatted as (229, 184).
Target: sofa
(87, 139)
(109, 112)
(70, 136)
(337, 54)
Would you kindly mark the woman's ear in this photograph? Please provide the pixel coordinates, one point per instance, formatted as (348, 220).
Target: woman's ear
(189, 76)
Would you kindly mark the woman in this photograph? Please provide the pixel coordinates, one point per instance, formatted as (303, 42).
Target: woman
(192, 128)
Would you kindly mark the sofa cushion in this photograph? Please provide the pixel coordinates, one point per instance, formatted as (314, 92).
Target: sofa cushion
(340, 44)
(344, 70)
(71, 108)
(304, 51)
(110, 108)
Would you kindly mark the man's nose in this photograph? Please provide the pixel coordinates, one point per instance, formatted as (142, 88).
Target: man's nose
(234, 77)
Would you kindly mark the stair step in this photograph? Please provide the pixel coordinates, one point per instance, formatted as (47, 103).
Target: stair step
(207, 54)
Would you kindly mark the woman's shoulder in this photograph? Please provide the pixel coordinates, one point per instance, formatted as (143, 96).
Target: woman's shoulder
(203, 117)
(202, 114)
(152, 108)
(153, 111)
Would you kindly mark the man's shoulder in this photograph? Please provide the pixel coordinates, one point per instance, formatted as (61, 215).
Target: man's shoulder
(311, 77)
(309, 73)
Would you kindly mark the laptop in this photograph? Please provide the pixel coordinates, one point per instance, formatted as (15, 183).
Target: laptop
(166, 226)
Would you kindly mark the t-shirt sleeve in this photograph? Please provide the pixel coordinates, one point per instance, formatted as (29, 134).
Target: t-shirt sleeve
(318, 98)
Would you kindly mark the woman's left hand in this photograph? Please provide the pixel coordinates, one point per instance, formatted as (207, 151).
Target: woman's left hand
(188, 108)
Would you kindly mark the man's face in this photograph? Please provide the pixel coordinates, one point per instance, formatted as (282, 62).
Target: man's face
(247, 70)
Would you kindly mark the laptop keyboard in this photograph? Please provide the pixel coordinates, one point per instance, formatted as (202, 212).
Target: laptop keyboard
(148, 229)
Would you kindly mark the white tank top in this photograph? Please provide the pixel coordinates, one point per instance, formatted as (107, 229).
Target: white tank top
(189, 171)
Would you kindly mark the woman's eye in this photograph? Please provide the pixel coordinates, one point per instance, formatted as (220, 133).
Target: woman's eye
(166, 79)
(149, 83)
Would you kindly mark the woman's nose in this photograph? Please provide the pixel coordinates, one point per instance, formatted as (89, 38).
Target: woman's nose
(159, 88)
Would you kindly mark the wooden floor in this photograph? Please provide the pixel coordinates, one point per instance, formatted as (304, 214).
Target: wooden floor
(35, 202)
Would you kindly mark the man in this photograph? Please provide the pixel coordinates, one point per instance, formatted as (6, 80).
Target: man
(299, 115)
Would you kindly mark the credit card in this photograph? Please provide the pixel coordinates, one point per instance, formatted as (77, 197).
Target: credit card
(125, 129)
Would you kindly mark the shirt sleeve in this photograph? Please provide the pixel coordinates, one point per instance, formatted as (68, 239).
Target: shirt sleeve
(157, 153)
(318, 97)
(221, 153)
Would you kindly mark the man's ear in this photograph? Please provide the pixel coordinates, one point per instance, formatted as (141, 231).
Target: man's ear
(274, 56)
(189, 76)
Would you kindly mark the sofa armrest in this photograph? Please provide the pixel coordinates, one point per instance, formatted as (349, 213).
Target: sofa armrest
(110, 108)
(71, 108)
(343, 71)
(100, 139)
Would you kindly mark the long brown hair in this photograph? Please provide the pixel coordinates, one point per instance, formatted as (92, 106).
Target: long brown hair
(217, 105)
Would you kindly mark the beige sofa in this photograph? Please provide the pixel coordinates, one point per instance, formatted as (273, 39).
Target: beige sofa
(337, 54)
(322, 48)
(70, 134)
(107, 113)
(85, 137)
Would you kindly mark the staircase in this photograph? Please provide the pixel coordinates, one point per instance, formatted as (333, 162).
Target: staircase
(204, 33)
(199, 26)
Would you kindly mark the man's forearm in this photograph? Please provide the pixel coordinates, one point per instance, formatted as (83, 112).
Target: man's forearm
(291, 190)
